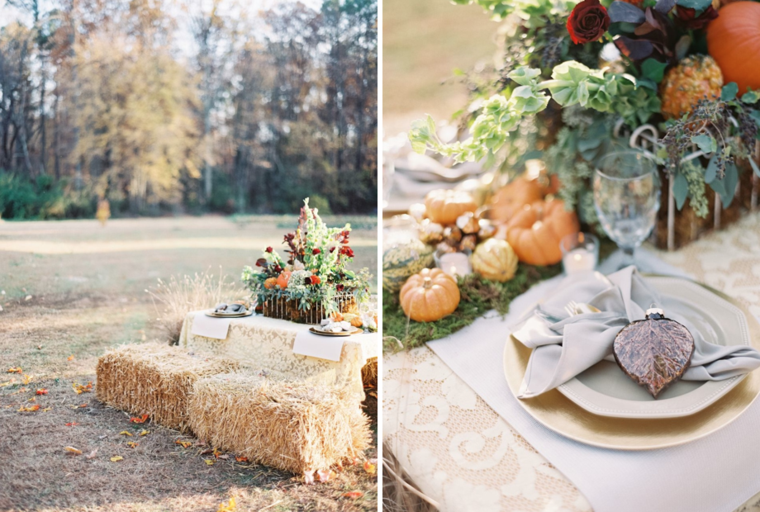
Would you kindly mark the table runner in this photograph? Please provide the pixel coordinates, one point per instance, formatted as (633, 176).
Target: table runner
(611, 480)
(466, 457)
(267, 343)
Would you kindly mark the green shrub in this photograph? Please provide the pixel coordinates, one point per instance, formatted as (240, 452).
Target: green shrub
(42, 198)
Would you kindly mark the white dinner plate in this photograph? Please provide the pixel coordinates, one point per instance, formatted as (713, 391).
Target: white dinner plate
(606, 391)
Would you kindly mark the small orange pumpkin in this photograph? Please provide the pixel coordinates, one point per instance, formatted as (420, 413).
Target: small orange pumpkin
(336, 317)
(445, 206)
(282, 279)
(733, 40)
(356, 321)
(270, 283)
(429, 296)
(510, 198)
(536, 231)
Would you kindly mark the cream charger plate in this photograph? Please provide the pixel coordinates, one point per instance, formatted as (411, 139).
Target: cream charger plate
(603, 407)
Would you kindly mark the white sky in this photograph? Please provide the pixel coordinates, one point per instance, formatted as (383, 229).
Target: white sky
(10, 14)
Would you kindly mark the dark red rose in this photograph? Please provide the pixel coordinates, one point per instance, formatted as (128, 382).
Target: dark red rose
(277, 268)
(340, 287)
(269, 249)
(588, 22)
(316, 251)
(347, 251)
(332, 249)
(688, 17)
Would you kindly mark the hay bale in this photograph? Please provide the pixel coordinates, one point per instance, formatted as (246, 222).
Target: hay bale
(369, 373)
(154, 379)
(296, 427)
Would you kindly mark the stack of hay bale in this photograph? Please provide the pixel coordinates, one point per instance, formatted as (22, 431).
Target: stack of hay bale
(292, 426)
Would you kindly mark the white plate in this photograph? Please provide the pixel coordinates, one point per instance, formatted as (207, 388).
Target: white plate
(606, 391)
(214, 314)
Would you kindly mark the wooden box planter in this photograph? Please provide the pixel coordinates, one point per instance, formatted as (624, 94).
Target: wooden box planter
(287, 309)
(674, 228)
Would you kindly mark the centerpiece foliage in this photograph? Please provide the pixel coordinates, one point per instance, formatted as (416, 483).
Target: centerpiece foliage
(314, 271)
(577, 78)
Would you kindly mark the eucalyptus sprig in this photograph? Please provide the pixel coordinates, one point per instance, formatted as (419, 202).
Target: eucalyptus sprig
(572, 83)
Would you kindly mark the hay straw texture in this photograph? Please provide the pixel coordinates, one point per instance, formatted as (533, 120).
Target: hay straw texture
(154, 379)
(296, 427)
(369, 373)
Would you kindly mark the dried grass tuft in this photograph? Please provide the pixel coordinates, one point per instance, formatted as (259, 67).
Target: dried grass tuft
(154, 379)
(174, 298)
(296, 427)
(399, 492)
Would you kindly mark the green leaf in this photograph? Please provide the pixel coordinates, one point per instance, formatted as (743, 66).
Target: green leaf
(754, 166)
(751, 97)
(705, 142)
(730, 180)
(754, 114)
(680, 189)
(524, 75)
(653, 69)
(694, 4)
(682, 47)
(712, 170)
(729, 91)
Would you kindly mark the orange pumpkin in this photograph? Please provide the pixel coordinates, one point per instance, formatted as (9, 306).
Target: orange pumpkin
(510, 199)
(429, 296)
(733, 40)
(282, 279)
(535, 232)
(445, 206)
(336, 317)
(270, 283)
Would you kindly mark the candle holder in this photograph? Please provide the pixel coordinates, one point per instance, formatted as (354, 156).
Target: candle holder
(580, 252)
(399, 230)
(454, 263)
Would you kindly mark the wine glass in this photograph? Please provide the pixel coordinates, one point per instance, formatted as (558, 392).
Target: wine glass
(627, 198)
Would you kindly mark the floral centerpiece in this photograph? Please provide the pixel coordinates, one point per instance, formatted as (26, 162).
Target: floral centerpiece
(579, 80)
(312, 280)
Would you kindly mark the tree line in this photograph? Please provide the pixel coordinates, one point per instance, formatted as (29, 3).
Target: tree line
(165, 105)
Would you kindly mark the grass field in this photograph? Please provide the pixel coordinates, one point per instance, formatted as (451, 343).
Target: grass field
(69, 291)
(423, 42)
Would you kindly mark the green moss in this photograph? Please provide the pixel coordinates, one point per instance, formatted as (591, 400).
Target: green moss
(478, 296)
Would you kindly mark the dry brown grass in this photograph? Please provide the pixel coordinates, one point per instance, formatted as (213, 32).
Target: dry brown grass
(399, 492)
(87, 303)
(155, 380)
(295, 427)
(172, 299)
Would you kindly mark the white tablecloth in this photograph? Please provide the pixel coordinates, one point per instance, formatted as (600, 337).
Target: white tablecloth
(465, 456)
(267, 344)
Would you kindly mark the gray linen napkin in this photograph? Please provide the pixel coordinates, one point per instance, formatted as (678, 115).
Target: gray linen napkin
(565, 346)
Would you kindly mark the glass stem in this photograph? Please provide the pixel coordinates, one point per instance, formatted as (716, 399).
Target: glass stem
(627, 259)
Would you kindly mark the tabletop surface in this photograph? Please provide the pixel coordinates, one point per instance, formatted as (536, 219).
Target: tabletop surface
(464, 456)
